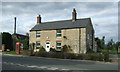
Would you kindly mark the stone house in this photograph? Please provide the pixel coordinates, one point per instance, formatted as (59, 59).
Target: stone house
(76, 33)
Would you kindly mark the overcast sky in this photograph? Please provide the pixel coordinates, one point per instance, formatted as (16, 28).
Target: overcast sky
(104, 15)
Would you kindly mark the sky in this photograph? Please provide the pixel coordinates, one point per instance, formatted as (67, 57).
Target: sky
(104, 15)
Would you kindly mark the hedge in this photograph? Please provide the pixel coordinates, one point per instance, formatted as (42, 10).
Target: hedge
(89, 56)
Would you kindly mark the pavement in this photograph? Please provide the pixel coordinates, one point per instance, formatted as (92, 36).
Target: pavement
(19, 62)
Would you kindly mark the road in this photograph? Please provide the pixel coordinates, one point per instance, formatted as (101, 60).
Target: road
(39, 63)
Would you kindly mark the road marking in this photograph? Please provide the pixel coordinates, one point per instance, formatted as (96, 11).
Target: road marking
(42, 67)
(34, 66)
(52, 68)
(12, 63)
(64, 69)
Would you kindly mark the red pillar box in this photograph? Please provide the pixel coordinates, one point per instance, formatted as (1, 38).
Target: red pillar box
(18, 44)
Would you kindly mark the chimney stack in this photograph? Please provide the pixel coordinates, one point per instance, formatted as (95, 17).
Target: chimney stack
(15, 25)
(27, 34)
(74, 14)
(38, 19)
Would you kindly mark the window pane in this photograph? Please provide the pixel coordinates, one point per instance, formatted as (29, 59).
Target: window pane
(58, 31)
(37, 34)
(58, 44)
(58, 35)
(37, 44)
(58, 47)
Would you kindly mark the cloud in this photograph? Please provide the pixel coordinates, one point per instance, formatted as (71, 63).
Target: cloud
(103, 14)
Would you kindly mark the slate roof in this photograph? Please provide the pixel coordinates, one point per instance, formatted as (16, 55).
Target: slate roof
(65, 24)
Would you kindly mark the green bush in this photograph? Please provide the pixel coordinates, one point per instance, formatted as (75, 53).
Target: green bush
(26, 53)
(11, 52)
(110, 51)
(25, 43)
(66, 48)
(89, 56)
(52, 50)
(41, 49)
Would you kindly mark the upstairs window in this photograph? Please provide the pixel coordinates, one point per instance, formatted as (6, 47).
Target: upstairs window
(58, 33)
(37, 34)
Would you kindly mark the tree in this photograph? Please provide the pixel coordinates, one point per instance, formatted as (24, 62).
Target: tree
(100, 43)
(103, 43)
(110, 44)
(7, 40)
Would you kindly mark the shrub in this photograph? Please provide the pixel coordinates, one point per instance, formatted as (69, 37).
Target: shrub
(11, 52)
(66, 48)
(89, 56)
(41, 49)
(52, 50)
(26, 52)
(106, 57)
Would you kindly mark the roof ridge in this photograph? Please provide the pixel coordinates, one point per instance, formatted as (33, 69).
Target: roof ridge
(65, 20)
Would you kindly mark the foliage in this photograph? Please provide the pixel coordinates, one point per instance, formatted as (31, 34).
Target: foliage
(11, 52)
(41, 49)
(110, 51)
(25, 43)
(66, 48)
(89, 56)
(31, 46)
(100, 43)
(52, 50)
(111, 46)
(7, 40)
(26, 53)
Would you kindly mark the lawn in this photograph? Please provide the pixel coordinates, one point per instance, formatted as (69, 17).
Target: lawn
(11, 52)
(110, 52)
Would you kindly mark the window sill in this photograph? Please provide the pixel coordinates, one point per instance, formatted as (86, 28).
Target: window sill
(58, 37)
(38, 38)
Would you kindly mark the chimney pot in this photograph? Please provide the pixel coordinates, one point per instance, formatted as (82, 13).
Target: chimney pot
(38, 19)
(74, 14)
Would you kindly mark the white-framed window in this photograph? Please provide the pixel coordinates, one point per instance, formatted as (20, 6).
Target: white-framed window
(58, 33)
(58, 46)
(38, 34)
(37, 44)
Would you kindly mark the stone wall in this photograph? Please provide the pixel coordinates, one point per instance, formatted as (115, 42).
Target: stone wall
(75, 38)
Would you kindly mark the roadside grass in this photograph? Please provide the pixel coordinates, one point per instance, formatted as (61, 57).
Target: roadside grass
(110, 52)
(11, 52)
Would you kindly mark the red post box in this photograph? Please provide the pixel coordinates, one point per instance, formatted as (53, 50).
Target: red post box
(18, 45)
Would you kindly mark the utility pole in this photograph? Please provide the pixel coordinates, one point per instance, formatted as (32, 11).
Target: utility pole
(15, 26)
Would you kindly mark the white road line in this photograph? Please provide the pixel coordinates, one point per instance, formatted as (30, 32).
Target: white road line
(12, 63)
(32, 66)
(5, 62)
(65, 69)
(21, 65)
(42, 67)
(52, 68)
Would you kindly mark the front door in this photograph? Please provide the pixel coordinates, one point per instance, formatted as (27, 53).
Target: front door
(47, 46)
